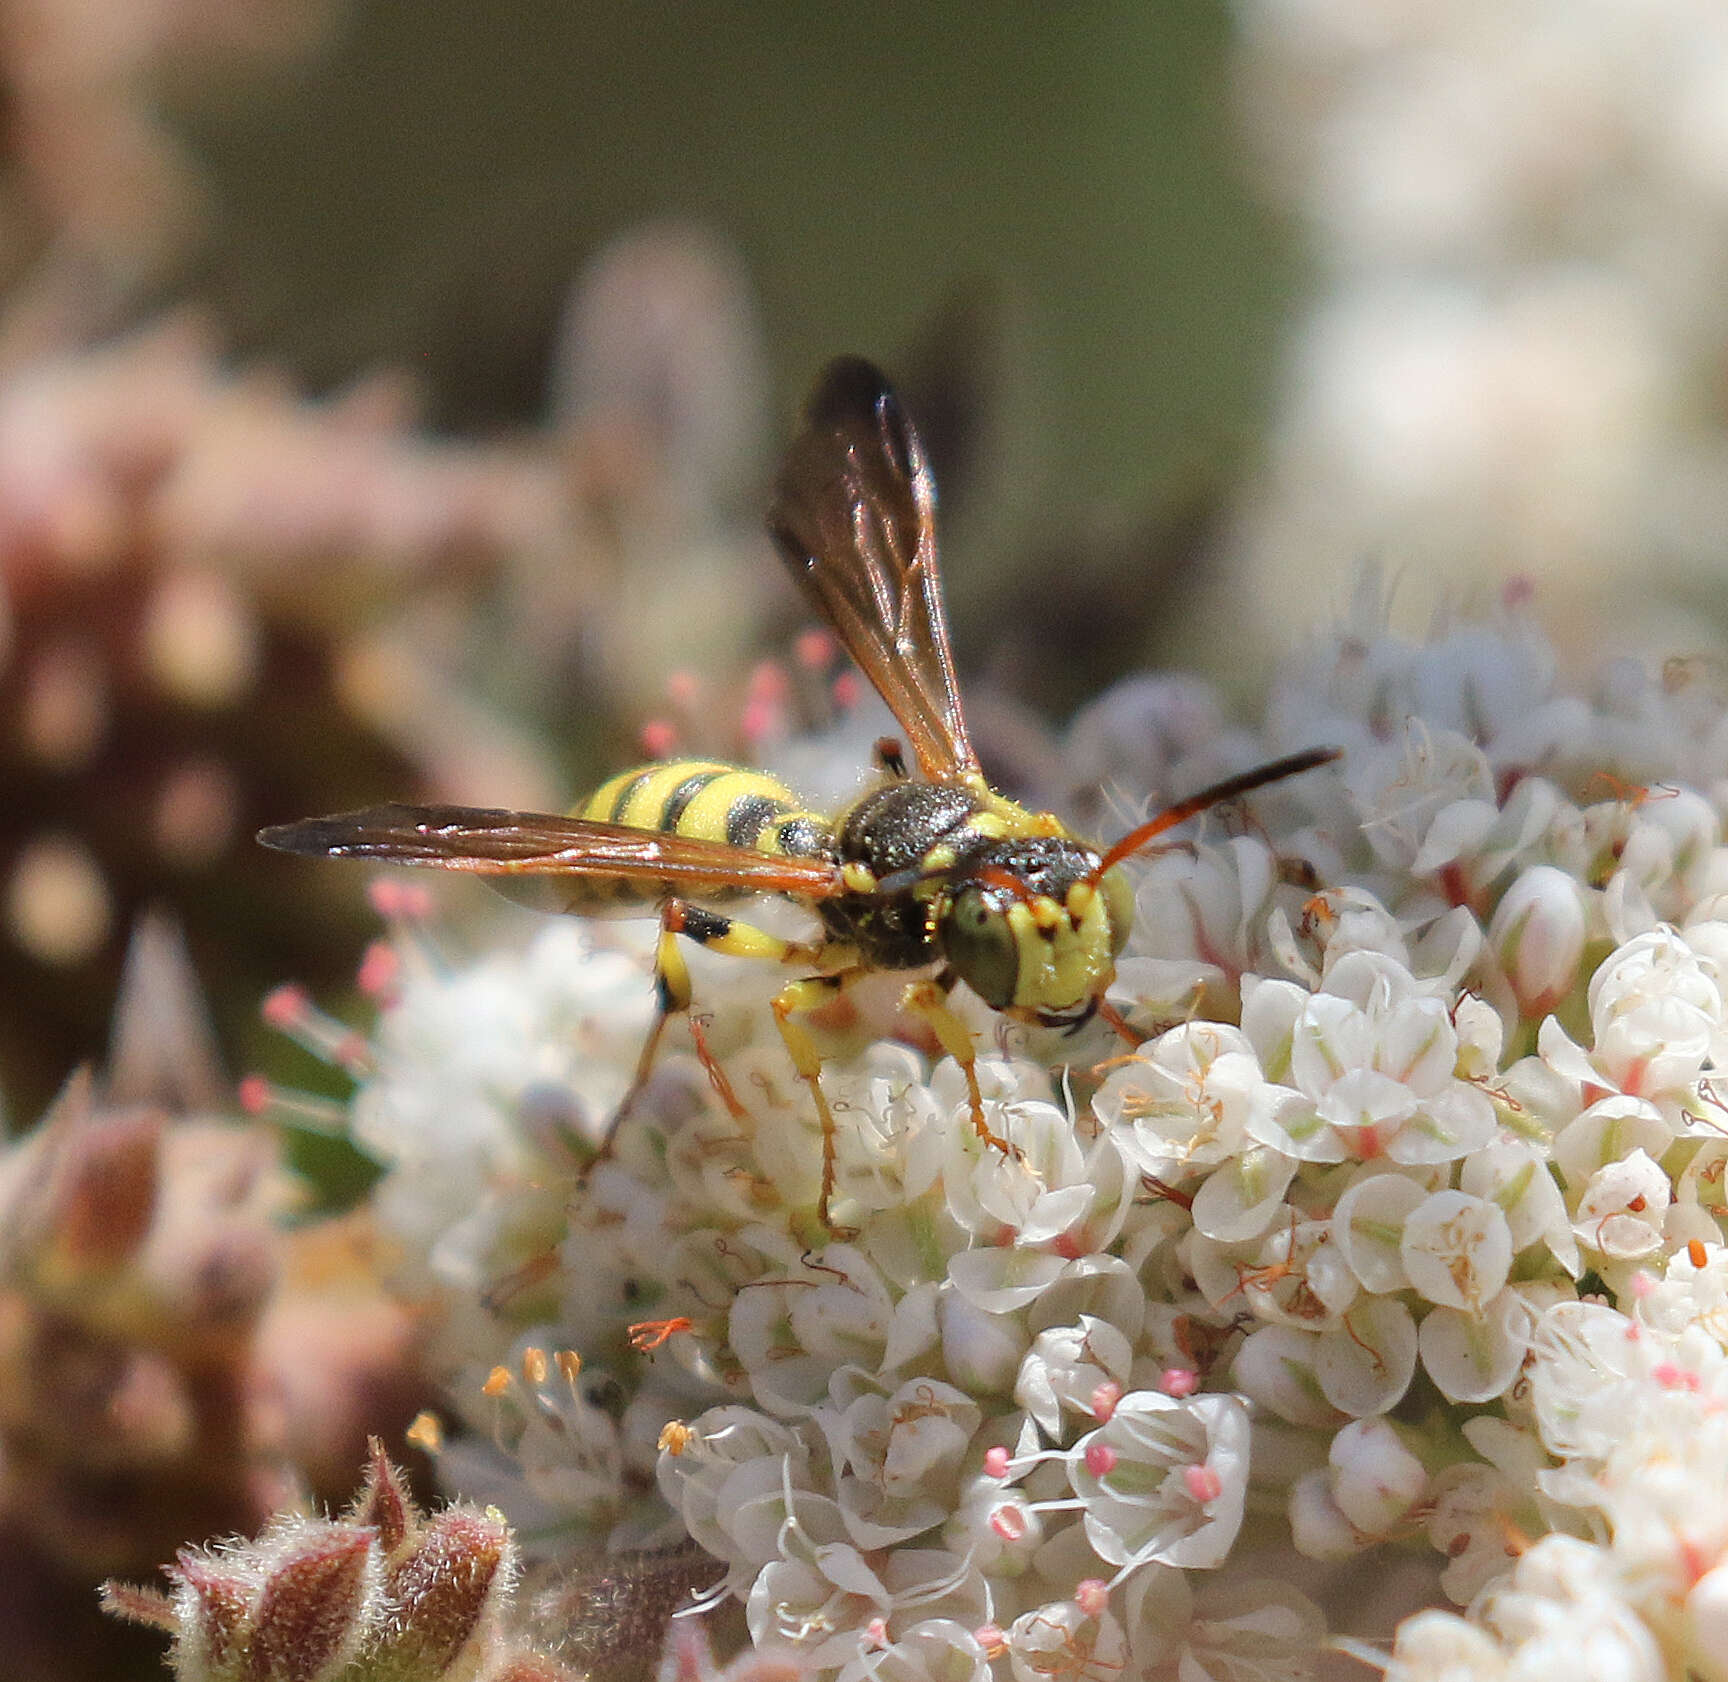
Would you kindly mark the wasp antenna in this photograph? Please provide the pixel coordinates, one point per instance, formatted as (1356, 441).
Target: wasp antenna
(890, 756)
(1231, 788)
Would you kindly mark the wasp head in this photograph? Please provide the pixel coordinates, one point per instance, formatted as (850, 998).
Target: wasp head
(1032, 927)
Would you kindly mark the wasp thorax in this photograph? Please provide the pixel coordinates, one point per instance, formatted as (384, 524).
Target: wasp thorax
(1027, 927)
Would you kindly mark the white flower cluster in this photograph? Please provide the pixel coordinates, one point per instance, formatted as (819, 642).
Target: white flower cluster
(1356, 1250)
(1632, 1406)
(1519, 217)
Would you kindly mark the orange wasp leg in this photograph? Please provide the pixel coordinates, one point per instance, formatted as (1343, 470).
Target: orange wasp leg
(928, 1001)
(800, 998)
(672, 989)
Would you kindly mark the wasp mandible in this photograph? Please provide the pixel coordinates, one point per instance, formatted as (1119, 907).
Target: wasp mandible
(935, 873)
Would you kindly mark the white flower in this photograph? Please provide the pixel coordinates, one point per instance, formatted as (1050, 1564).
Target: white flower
(1474, 1354)
(1245, 1630)
(1374, 1478)
(932, 1648)
(1065, 1367)
(1620, 1214)
(1186, 1100)
(1657, 1015)
(896, 1456)
(1062, 1640)
(1480, 1510)
(822, 1592)
(1164, 1479)
(1456, 1249)
(1372, 1061)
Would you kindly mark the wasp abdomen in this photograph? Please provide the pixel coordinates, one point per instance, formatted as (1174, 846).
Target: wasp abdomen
(707, 800)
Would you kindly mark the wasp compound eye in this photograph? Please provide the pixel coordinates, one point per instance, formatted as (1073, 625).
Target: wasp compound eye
(978, 941)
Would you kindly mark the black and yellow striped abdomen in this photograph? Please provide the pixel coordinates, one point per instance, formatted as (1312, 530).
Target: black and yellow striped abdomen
(709, 801)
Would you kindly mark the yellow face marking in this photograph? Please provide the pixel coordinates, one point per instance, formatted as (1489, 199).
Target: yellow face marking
(858, 878)
(1063, 951)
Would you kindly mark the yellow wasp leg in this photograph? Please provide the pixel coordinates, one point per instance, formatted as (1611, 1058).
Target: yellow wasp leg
(928, 1000)
(672, 989)
(798, 998)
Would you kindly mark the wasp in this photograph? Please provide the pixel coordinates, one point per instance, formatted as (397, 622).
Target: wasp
(935, 873)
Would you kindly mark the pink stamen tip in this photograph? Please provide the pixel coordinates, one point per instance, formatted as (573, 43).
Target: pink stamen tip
(1092, 1596)
(990, 1638)
(285, 1007)
(384, 895)
(379, 969)
(1203, 1483)
(768, 682)
(1100, 1459)
(813, 649)
(847, 691)
(996, 1462)
(1180, 1382)
(1009, 1523)
(761, 718)
(876, 1633)
(1642, 1285)
(659, 739)
(253, 1094)
(1519, 591)
(416, 903)
(1104, 1400)
(682, 688)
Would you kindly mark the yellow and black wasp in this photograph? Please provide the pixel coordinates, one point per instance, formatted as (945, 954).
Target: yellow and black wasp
(936, 873)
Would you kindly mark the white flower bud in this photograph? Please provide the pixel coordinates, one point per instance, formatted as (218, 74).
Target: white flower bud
(1707, 1624)
(1538, 936)
(1434, 1646)
(982, 1350)
(1274, 1369)
(1318, 1526)
(1375, 1478)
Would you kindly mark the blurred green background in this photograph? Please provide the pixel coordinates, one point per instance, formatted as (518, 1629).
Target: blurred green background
(425, 191)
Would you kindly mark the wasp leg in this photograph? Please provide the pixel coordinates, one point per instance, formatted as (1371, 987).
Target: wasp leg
(798, 998)
(929, 1000)
(672, 987)
(1123, 1027)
